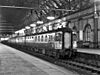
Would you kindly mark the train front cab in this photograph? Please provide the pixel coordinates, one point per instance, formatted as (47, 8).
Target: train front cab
(67, 50)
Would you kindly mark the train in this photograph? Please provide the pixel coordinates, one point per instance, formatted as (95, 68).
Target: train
(57, 43)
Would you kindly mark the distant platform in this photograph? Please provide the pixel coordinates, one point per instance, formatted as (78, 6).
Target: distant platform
(90, 51)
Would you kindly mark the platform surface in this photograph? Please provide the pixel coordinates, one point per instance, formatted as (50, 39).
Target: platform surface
(14, 62)
(90, 51)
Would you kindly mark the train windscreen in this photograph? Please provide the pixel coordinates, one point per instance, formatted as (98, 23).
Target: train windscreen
(67, 40)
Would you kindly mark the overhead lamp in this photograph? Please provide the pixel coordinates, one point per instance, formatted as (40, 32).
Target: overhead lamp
(27, 27)
(33, 25)
(39, 22)
(50, 17)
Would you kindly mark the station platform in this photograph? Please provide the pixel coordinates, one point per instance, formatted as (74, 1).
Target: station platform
(89, 51)
(15, 62)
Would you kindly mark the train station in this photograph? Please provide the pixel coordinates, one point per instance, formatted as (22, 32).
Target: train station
(49, 37)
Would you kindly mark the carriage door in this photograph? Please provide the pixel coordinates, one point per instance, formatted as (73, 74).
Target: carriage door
(67, 40)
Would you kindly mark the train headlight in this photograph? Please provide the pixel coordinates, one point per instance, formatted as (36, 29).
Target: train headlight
(74, 44)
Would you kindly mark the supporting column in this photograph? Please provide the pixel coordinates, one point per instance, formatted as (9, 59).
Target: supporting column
(95, 32)
(80, 32)
(95, 26)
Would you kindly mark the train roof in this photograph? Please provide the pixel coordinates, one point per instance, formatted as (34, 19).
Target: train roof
(67, 29)
(60, 29)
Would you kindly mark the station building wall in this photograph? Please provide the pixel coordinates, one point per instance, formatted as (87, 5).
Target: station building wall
(84, 29)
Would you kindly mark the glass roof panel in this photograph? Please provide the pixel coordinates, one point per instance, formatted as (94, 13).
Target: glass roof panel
(55, 5)
(58, 1)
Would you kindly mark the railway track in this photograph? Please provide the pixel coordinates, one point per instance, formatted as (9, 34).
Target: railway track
(80, 66)
(77, 66)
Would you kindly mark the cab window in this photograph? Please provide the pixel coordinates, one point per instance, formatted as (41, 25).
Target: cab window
(58, 36)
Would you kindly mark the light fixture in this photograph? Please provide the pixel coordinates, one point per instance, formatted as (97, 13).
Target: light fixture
(33, 25)
(50, 17)
(27, 27)
(39, 22)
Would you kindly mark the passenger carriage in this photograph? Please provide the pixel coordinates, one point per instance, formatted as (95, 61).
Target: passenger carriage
(57, 43)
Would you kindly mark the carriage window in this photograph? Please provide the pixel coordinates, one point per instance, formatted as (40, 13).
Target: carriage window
(38, 38)
(32, 37)
(50, 38)
(46, 38)
(42, 38)
(58, 36)
(35, 38)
